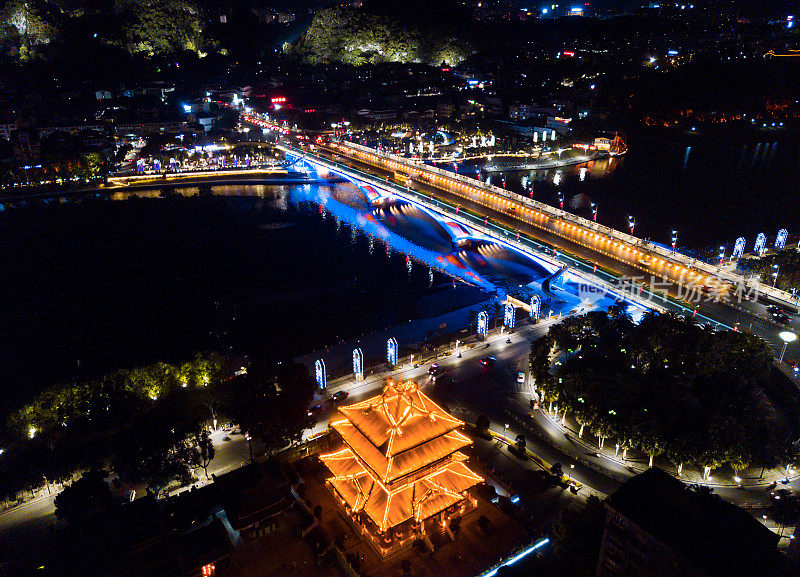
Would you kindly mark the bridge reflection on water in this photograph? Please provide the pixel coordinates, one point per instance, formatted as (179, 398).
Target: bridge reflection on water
(452, 248)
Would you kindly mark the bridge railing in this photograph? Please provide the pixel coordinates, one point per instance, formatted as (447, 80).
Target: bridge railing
(568, 217)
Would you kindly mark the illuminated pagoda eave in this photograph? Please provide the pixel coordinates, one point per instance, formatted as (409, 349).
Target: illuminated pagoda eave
(401, 458)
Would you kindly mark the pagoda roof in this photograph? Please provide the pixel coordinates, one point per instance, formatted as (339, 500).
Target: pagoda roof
(443, 487)
(400, 418)
(389, 469)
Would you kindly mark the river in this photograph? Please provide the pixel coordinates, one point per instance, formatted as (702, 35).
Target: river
(101, 282)
(708, 189)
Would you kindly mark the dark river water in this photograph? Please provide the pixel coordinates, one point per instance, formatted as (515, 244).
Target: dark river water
(710, 191)
(97, 283)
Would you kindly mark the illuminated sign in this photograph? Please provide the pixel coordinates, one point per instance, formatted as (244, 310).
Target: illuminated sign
(278, 99)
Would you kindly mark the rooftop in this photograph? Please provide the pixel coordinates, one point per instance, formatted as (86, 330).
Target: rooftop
(716, 536)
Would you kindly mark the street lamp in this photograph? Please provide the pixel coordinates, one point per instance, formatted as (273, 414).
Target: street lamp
(594, 212)
(787, 337)
(721, 255)
(674, 239)
(631, 223)
(777, 268)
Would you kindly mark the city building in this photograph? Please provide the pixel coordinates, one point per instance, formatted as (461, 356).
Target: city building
(401, 466)
(657, 526)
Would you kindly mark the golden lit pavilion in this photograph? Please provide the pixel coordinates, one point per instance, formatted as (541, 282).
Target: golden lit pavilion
(401, 462)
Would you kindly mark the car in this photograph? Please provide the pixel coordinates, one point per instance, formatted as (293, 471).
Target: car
(521, 378)
(781, 318)
(340, 396)
(488, 361)
(437, 373)
(773, 308)
(314, 410)
(781, 494)
(433, 368)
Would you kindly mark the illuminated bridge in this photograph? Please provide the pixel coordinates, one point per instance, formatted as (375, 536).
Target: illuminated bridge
(619, 251)
(648, 274)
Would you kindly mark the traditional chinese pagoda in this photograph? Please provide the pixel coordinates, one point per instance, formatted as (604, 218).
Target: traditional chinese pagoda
(401, 463)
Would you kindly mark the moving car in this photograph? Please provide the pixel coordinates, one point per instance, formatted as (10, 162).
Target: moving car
(781, 318)
(433, 368)
(437, 373)
(314, 410)
(340, 396)
(488, 361)
(521, 378)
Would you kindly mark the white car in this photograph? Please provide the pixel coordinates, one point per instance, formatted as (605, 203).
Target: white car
(521, 378)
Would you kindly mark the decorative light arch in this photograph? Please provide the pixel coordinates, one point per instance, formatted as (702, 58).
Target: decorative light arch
(780, 240)
(483, 324)
(320, 373)
(738, 248)
(358, 364)
(391, 351)
(761, 244)
(508, 317)
(536, 307)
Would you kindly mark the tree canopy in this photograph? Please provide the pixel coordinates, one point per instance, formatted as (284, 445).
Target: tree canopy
(357, 37)
(151, 419)
(270, 403)
(788, 263)
(669, 385)
(147, 27)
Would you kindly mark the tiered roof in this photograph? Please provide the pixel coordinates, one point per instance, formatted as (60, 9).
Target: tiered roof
(401, 457)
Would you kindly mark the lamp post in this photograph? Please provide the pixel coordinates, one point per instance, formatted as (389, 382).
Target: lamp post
(594, 212)
(787, 337)
(721, 255)
(674, 239)
(777, 268)
(631, 223)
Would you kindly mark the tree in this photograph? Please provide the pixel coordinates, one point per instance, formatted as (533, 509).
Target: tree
(205, 450)
(373, 35)
(156, 451)
(270, 403)
(34, 21)
(86, 496)
(577, 538)
(665, 384)
(482, 423)
(161, 26)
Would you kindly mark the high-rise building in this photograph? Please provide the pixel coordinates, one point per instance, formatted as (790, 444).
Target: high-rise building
(656, 526)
